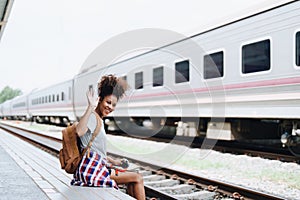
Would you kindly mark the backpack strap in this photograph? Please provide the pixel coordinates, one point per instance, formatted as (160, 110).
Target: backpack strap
(95, 133)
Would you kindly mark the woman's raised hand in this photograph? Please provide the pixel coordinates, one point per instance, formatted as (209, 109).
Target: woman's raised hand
(91, 100)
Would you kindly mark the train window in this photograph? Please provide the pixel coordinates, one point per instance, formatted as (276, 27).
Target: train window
(53, 98)
(256, 57)
(158, 76)
(49, 98)
(46, 99)
(182, 71)
(62, 96)
(70, 92)
(124, 78)
(91, 88)
(213, 65)
(139, 80)
(17, 105)
(57, 97)
(298, 48)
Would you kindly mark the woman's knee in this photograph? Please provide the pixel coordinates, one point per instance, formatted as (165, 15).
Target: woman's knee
(139, 178)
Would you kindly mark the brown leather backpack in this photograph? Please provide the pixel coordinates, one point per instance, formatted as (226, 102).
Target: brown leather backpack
(70, 154)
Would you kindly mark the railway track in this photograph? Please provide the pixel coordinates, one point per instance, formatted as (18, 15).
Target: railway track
(160, 183)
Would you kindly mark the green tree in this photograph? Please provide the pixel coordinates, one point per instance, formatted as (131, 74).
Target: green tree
(9, 93)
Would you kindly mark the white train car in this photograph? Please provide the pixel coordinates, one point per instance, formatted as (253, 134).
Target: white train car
(1, 111)
(19, 107)
(6, 109)
(255, 71)
(226, 79)
(53, 104)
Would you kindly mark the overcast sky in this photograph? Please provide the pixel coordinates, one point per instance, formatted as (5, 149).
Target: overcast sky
(46, 41)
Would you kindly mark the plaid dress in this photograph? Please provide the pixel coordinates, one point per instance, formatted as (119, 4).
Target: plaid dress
(93, 172)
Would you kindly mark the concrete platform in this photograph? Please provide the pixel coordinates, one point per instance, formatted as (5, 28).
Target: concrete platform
(30, 173)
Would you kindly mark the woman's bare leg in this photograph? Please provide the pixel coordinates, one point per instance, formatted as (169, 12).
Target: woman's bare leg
(130, 190)
(135, 179)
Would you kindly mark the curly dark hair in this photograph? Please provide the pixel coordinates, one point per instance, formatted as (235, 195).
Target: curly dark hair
(110, 84)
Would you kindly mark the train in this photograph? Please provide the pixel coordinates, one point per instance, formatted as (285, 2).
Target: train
(236, 81)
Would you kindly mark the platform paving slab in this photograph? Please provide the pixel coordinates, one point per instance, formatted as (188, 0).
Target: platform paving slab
(15, 183)
(44, 173)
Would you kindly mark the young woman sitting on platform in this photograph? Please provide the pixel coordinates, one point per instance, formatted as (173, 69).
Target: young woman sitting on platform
(93, 170)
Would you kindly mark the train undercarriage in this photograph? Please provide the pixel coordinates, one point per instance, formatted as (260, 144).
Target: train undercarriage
(280, 131)
(284, 132)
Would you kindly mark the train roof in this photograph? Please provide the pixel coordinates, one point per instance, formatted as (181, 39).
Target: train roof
(5, 8)
(225, 22)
